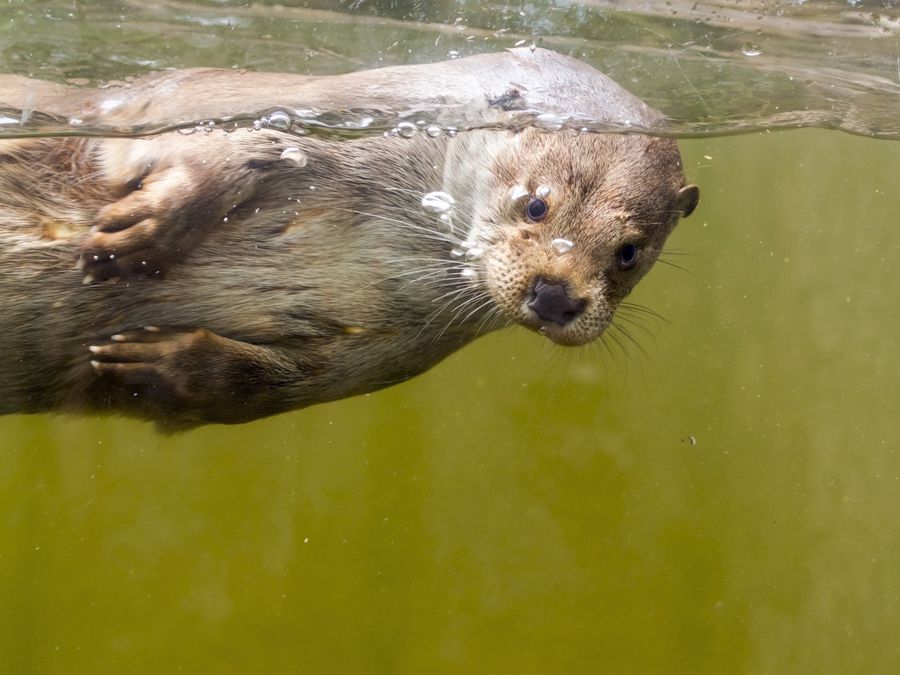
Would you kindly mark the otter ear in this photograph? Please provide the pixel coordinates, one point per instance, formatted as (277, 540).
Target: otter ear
(688, 196)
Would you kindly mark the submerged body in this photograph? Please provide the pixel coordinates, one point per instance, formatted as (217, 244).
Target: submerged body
(300, 270)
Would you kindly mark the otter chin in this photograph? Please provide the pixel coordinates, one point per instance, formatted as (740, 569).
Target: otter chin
(226, 276)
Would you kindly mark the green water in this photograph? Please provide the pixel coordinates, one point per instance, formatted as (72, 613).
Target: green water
(524, 508)
(723, 499)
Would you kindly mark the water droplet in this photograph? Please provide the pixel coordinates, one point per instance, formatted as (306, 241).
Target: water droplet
(543, 191)
(517, 192)
(550, 121)
(453, 54)
(280, 120)
(437, 202)
(474, 253)
(446, 221)
(433, 131)
(532, 47)
(469, 273)
(294, 155)
(751, 50)
(457, 253)
(407, 129)
(257, 125)
(451, 131)
(562, 246)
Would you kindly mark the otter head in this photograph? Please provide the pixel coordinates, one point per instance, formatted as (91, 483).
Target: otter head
(569, 223)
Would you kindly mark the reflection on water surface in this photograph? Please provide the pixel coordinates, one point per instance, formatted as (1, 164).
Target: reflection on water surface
(712, 67)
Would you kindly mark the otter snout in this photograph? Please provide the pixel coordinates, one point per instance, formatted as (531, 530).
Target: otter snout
(551, 301)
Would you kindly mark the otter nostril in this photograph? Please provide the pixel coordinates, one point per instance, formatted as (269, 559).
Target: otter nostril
(551, 301)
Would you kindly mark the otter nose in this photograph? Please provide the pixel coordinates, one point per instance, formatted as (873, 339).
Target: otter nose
(551, 301)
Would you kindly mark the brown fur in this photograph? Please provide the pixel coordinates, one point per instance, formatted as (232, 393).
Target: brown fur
(285, 285)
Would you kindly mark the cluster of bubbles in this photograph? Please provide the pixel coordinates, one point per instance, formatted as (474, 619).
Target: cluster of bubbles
(468, 250)
(410, 129)
(279, 120)
(441, 205)
(205, 127)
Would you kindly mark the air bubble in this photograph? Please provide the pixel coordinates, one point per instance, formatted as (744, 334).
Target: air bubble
(751, 50)
(517, 192)
(407, 129)
(562, 246)
(280, 120)
(474, 253)
(294, 155)
(469, 273)
(437, 202)
(433, 131)
(457, 253)
(446, 221)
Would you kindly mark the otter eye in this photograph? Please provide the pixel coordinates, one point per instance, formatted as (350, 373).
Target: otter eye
(536, 209)
(628, 255)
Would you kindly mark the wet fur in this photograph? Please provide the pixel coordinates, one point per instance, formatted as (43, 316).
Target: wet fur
(290, 286)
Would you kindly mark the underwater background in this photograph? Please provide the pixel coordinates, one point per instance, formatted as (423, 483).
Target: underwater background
(717, 493)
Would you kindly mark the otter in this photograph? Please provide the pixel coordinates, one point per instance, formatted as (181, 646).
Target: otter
(223, 277)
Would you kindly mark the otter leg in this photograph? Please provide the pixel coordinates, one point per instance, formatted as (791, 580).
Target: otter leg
(174, 189)
(166, 216)
(183, 377)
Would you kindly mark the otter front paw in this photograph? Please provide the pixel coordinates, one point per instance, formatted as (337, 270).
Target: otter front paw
(143, 233)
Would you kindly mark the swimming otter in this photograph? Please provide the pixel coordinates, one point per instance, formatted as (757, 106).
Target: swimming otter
(236, 275)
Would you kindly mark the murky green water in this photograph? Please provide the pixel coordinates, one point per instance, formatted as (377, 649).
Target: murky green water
(725, 503)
